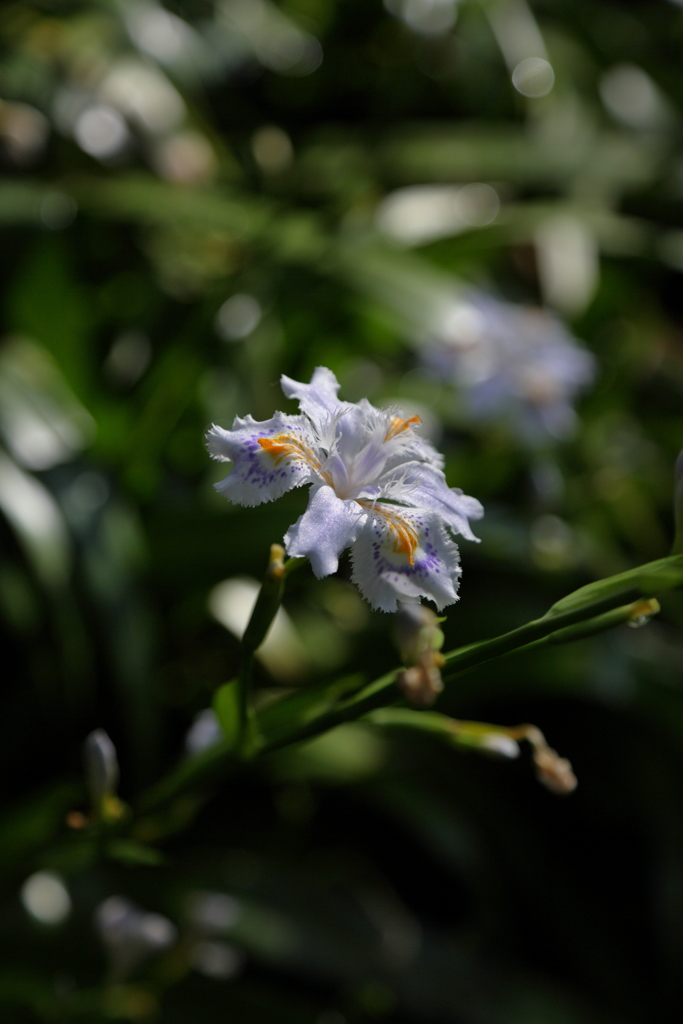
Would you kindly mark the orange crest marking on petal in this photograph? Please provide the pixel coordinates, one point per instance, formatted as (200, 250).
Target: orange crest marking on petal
(398, 425)
(282, 445)
(403, 533)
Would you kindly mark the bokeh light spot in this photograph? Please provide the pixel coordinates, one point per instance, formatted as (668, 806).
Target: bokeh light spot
(46, 898)
(101, 132)
(238, 317)
(533, 77)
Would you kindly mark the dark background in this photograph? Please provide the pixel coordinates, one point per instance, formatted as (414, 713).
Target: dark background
(378, 877)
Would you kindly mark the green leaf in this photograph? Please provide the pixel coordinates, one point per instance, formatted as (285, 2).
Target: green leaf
(49, 303)
(226, 706)
(21, 201)
(644, 581)
(139, 197)
(29, 825)
(129, 852)
(27, 990)
(287, 717)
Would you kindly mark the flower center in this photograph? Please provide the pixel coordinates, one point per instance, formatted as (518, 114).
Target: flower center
(352, 461)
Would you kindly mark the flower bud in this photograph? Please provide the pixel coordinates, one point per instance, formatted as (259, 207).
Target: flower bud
(101, 767)
(421, 684)
(485, 738)
(419, 639)
(276, 563)
(553, 771)
(642, 612)
(499, 745)
(416, 630)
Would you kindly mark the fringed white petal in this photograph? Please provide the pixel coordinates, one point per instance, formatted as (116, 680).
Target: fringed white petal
(327, 527)
(317, 399)
(404, 554)
(270, 458)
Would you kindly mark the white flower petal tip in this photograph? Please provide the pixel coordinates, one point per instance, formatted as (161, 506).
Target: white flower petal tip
(270, 458)
(317, 398)
(378, 488)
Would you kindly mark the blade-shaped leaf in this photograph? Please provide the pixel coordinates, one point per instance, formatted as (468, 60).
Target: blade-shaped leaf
(227, 710)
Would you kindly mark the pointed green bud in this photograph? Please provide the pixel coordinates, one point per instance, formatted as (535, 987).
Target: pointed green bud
(102, 775)
(101, 765)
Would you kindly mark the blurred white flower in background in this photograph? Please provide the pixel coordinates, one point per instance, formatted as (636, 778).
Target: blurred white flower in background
(512, 362)
(131, 935)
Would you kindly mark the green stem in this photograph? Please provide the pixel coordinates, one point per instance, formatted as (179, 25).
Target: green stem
(211, 764)
(558, 628)
(588, 610)
(538, 629)
(266, 608)
(587, 603)
(243, 684)
(635, 614)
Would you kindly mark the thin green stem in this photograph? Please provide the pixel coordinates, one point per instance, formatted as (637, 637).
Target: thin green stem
(266, 608)
(243, 684)
(591, 609)
(476, 654)
(211, 764)
(560, 628)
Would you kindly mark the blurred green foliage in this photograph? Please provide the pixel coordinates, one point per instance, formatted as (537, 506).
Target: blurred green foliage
(195, 199)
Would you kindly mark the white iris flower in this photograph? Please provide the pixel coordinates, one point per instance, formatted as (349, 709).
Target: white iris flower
(377, 487)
